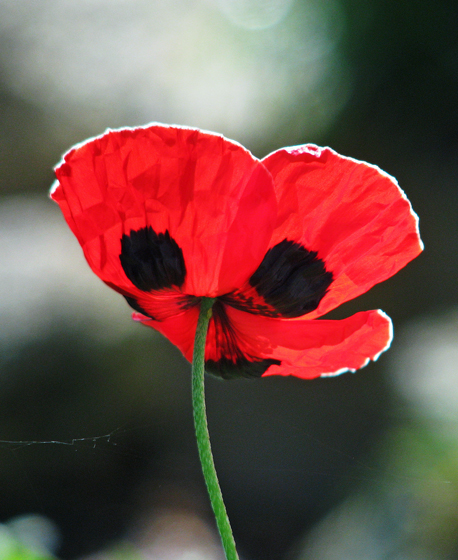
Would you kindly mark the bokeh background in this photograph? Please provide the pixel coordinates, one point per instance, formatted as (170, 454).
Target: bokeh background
(97, 454)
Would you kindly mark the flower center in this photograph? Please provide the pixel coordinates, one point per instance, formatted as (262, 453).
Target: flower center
(224, 354)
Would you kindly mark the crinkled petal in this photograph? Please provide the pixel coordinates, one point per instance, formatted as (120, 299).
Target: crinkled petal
(351, 213)
(298, 347)
(314, 348)
(215, 200)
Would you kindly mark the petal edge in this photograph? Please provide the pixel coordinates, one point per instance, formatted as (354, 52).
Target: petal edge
(351, 212)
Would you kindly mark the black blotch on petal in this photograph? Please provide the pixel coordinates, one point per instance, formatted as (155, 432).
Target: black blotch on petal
(242, 367)
(136, 307)
(292, 279)
(151, 260)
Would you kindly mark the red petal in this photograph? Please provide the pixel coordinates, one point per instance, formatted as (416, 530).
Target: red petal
(216, 200)
(314, 348)
(353, 214)
(179, 329)
(305, 348)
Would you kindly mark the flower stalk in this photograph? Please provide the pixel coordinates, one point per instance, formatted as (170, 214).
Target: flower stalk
(202, 435)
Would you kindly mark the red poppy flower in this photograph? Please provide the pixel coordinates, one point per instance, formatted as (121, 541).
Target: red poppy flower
(166, 215)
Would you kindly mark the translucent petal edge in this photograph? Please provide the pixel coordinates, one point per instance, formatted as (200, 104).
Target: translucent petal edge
(316, 151)
(368, 360)
(55, 184)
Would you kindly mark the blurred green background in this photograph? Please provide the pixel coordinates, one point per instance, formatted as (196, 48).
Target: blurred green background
(97, 455)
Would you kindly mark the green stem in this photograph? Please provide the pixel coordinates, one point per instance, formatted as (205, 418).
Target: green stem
(201, 427)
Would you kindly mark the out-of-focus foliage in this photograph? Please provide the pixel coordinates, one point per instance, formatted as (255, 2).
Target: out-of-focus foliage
(30, 546)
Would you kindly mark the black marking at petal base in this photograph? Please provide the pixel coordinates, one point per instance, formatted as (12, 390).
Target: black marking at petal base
(151, 260)
(136, 307)
(242, 367)
(232, 362)
(291, 279)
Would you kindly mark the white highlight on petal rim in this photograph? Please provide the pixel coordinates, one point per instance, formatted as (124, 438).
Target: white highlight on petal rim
(390, 332)
(316, 151)
(312, 149)
(339, 372)
(371, 358)
(79, 145)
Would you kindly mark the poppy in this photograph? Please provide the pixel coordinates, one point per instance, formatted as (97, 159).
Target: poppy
(167, 215)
